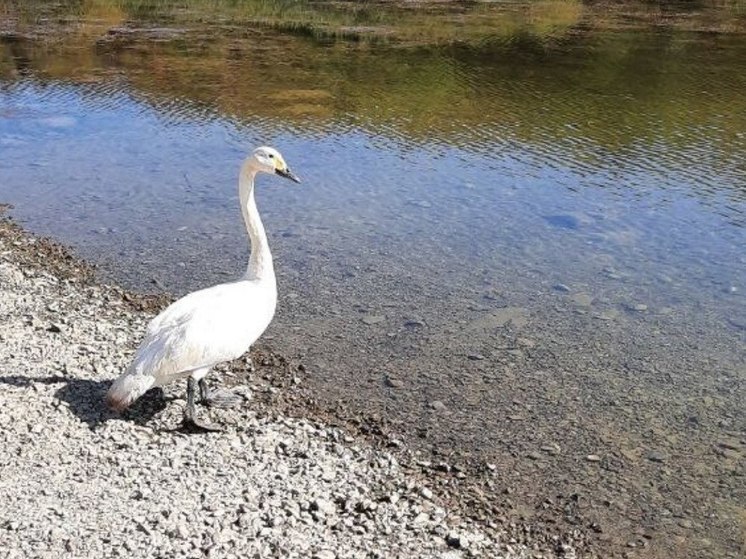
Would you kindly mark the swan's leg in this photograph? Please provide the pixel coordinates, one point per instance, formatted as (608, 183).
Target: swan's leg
(190, 414)
(218, 398)
(215, 398)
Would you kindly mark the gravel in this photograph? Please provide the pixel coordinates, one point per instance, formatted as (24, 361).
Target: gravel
(78, 480)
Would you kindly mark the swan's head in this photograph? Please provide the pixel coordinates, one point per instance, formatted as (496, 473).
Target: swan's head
(269, 160)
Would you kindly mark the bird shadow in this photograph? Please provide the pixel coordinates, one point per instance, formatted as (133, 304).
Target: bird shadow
(85, 399)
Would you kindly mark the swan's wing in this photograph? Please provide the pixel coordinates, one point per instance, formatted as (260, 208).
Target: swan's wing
(197, 331)
(206, 327)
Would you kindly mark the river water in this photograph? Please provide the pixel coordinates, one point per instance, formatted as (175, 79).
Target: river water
(519, 238)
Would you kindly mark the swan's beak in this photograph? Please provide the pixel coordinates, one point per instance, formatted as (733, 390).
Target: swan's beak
(287, 174)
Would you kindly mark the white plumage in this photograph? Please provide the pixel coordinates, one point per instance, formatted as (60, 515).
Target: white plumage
(215, 324)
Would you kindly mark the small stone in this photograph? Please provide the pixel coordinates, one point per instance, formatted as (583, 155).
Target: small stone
(561, 287)
(533, 455)
(593, 458)
(324, 554)
(421, 203)
(453, 539)
(426, 493)
(373, 319)
(526, 342)
(582, 299)
(607, 315)
(729, 444)
(437, 405)
(515, 317)
(563, 221)
(656, 456)
(394, 382)
(475, 357)
(421, 518)
(55, 328)
(323, 506)
(636, 307)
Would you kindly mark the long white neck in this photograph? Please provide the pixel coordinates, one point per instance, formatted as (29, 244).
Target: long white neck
(260, 262)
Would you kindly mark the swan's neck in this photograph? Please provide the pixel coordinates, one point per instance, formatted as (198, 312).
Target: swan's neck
(260, 262)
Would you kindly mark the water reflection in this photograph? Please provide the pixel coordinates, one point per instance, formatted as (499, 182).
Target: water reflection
(631, 102)
(545, 226)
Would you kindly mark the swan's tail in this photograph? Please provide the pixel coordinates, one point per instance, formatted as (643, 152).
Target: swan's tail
(128, 388)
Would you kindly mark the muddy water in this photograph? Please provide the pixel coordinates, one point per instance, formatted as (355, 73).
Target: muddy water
(524, 248)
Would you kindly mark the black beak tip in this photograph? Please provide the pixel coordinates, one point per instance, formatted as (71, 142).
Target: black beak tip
(288, 175)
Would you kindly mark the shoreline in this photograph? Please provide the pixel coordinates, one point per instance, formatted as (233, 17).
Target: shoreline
(66, 336)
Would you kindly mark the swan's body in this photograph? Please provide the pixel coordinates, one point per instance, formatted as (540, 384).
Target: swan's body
(212, 325)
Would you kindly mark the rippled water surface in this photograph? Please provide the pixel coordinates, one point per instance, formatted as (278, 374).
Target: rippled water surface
(532, 219)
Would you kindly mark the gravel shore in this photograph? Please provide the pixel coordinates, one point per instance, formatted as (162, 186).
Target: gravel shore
(80, 481)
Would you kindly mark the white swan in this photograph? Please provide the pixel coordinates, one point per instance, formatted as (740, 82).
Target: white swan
(212, 325)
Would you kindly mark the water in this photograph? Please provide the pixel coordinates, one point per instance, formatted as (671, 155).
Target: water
(540, 226)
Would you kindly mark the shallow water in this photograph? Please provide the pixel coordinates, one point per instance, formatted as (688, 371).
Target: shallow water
(541, 226)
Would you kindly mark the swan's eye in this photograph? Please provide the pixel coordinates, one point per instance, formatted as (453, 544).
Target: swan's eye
(271, 156)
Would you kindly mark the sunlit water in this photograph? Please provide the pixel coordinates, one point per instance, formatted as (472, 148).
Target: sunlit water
(545, 235)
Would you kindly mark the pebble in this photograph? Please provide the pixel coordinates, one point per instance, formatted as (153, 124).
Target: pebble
(438, 405)
(582, 299)
(607, 315)
(730, 444)
(561, 287)
(656, 456)
(394, 382)
(323, 506)
(453, 539)
(593, 458)
(373, 319)
(516, 317)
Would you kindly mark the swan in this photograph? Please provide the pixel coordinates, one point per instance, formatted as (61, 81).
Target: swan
(211, 325)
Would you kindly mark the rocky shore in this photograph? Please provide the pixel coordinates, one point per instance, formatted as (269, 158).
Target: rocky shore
(80, 481)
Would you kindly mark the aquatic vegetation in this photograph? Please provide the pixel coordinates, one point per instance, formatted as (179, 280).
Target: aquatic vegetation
(421, 23)
(377, 21)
